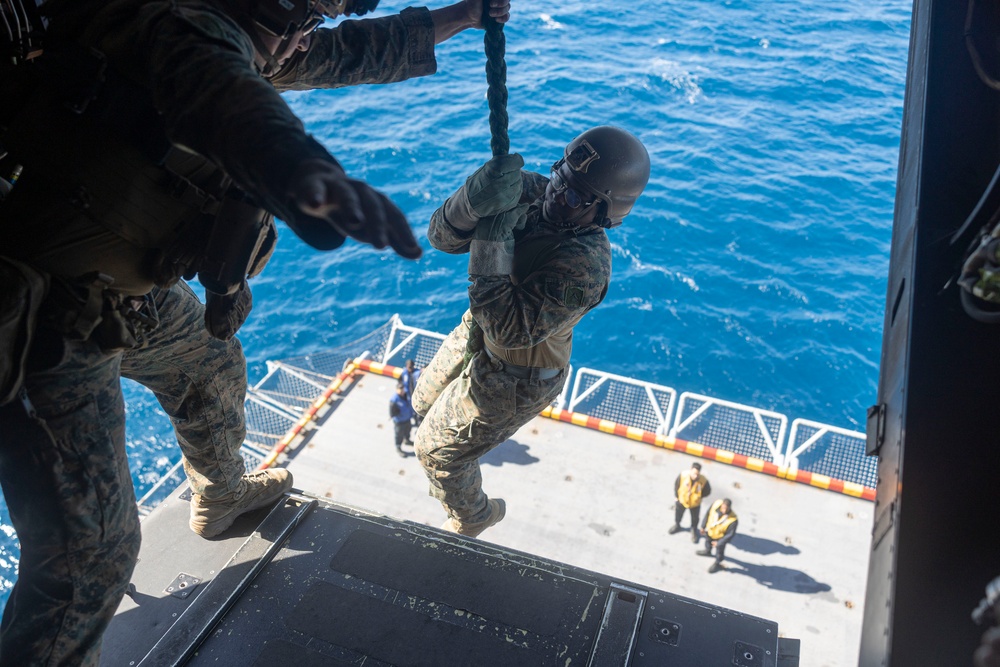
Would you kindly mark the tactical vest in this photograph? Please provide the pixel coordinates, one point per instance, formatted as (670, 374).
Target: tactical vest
(689, 493)
(717, 523)
(121, 172)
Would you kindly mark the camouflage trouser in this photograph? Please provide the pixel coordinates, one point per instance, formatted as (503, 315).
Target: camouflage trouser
(469, 416)
(66, 480)
(443, 369)
(200, 382)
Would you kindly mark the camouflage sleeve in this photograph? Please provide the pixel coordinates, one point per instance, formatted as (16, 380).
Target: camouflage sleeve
(452, 224)
(548, 300)
(383, 50)
(198, 65)
(532, 185)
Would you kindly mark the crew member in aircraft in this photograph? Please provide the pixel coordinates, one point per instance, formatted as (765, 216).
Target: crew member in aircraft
(155, 147)
(718, 527)
(690, 488)
(539, 260)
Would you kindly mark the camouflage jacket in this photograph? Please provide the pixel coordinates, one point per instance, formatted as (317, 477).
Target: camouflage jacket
(527, 317)
(198, 64)
(186, 73)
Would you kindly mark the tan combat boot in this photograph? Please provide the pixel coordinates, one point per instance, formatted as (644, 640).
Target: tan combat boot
(209, 517)
(497, 510)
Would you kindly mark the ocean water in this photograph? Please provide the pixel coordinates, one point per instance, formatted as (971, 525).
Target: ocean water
(752, 269)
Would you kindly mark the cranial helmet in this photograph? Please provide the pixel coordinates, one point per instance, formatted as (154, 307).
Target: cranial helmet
(611, 164)
(283, 18)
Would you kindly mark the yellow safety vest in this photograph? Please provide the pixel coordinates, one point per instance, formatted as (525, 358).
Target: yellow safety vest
(717, 524)
(689, 493)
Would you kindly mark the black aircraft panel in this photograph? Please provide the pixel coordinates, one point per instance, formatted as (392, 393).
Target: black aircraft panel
(315, 583)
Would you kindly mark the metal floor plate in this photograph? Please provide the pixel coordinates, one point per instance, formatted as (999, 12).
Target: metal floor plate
(317, 583)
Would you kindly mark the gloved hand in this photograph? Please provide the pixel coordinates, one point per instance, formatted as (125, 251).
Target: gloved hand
(496, 186)
(491, 252)
(500, 227)
(225, 314)
(320, 189)
(981, 270)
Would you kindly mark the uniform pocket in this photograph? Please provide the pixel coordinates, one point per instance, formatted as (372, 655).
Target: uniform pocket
(91, 476)
(22, 290)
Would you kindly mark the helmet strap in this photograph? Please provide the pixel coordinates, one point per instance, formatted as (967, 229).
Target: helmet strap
(570, 224)
(270, 65)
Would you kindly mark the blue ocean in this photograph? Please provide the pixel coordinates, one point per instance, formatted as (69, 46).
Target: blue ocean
(753, 268)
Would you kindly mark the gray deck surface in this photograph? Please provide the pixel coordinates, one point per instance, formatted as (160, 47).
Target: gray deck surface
(603, 503)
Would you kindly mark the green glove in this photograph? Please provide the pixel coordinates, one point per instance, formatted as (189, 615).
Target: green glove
(981, 270)
(496, 186)
(492, 249)
(500, 227)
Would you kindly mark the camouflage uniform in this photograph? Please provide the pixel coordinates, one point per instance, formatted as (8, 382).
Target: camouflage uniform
(63, 464)
(558, 276)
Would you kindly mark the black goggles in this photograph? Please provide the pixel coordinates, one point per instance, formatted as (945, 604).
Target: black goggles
(561, 186)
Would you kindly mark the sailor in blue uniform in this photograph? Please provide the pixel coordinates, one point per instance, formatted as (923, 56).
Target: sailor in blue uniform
(402, 414)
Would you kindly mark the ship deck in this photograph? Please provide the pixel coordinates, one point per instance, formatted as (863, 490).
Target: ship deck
(603, 503)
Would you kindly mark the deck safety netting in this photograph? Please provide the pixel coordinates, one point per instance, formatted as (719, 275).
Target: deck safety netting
(276, 403)
(622, 401)
(331, 362)
(733, 428)
(835, 454)
(290, 388)
(406, 345)
(266, 424)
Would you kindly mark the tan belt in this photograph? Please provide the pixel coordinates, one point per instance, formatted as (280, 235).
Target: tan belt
(524, 372)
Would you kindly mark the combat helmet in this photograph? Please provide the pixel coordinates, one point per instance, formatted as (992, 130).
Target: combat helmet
(611, 164)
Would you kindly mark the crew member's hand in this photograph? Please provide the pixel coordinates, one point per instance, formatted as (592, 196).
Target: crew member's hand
(353, 208)
(714, 543)
(499, 10)
(702, 531)
(496, 186)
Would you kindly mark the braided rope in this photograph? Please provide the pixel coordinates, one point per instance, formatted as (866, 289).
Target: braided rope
(496, 77)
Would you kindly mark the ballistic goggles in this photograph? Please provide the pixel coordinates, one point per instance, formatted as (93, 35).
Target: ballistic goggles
(573, 197)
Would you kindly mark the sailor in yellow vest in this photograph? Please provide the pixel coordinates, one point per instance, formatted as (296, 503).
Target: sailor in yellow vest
(689, 489)
(718, 527)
